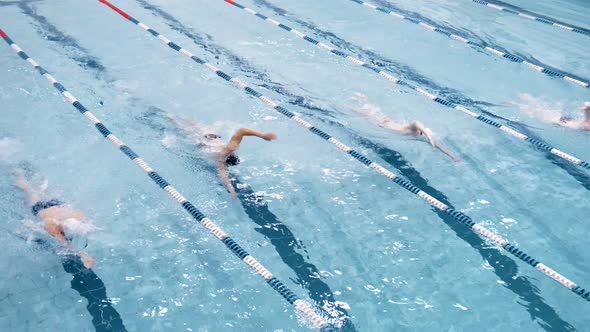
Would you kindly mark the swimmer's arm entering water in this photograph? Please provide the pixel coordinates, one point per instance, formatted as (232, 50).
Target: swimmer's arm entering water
(224, 176)
(232, 146)
(438, 146)
(447, 152)
(57, 231)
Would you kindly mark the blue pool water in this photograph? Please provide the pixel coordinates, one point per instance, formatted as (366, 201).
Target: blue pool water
(364, 251)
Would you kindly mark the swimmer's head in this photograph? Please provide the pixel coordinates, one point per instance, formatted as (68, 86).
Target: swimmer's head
(585, 107)
(417, 128)
(232, 160)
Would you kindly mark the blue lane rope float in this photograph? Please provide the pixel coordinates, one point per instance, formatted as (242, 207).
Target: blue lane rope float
(457, 215)
(465, 40)
(301, 305)
(543, 146)
(545, 20)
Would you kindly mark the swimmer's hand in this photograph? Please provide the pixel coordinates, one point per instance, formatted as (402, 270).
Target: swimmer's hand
(447, 152)
(172, 119)
(269, 136)
(224, 176)
(86, 259)
(20, 178)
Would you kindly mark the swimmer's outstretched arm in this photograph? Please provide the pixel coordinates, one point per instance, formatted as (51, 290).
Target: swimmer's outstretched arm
(172, 119)
(236, 139)
(390, 124)
(22, 183)
(190, 121)
(176, 124)
(438, 146)
(445, 151)
(188, 130)
(223, 175)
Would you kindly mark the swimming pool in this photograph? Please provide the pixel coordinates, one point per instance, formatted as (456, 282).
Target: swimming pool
(338, 234)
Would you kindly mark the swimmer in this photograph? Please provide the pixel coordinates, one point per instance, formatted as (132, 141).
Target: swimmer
(53, 212)
(552, 112)
(414, 128)
(578, 124)
(223, 154)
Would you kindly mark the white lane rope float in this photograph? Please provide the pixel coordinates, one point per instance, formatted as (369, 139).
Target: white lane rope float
(394, 80)
(304, 307)
(464, 39)
(533, 17)
(457, 215)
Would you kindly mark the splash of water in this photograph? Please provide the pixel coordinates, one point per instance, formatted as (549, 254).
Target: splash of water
(8, 147)
(538, 108)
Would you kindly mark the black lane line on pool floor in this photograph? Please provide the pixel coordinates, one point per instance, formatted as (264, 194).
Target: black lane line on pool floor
(422, 80)
(524, 289)
(16, 2)
(105, 317)
(318, 290)
(52, 33)
(285, 243)
(580, 176)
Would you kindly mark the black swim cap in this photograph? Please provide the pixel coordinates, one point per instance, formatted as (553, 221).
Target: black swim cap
(212, 136)
(232, 160)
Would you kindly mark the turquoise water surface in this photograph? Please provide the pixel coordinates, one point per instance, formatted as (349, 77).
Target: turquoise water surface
(369, 255)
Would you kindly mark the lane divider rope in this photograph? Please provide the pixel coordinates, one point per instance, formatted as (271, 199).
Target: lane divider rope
(466, 40)
(548, 21)
(301, 305)
(457, 215)
(394, 80)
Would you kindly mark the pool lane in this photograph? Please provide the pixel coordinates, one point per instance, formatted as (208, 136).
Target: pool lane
(282, 239)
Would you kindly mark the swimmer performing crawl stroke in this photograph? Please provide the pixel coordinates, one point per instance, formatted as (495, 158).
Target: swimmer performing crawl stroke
(583, 124)
(223, 154)
(414, 128)
(553, 113)
(54, 214)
